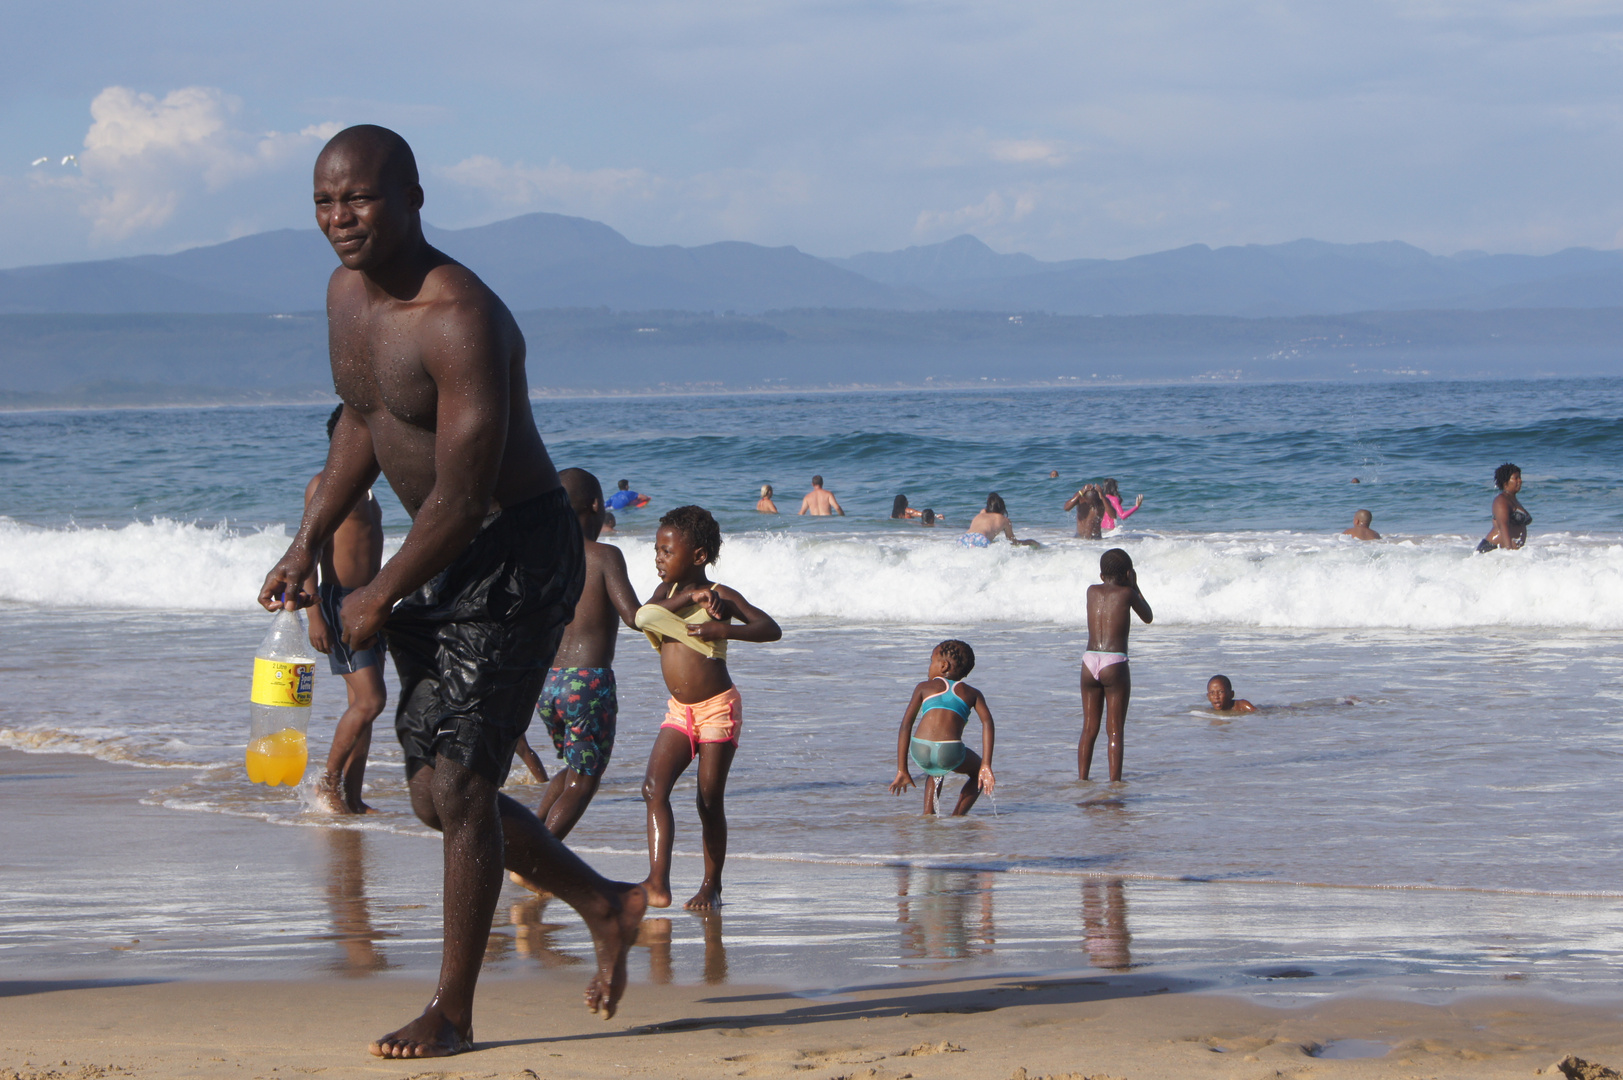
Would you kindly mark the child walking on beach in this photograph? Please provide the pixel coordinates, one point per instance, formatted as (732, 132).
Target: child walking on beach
(578, 701)
(1106, 678)
(689, 619)
(941, 705)
(349, 560)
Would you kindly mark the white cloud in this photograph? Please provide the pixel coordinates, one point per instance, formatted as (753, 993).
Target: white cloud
(992, 210)
(1027, 152)
(143, 155)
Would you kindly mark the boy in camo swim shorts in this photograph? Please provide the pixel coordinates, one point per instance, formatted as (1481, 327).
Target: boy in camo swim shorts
(578, 703)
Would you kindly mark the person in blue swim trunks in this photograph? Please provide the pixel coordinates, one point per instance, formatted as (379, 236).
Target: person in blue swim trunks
(991, 523)
(940, 705)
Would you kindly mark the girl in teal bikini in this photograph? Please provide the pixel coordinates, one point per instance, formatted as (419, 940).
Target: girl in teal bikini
(940, 705)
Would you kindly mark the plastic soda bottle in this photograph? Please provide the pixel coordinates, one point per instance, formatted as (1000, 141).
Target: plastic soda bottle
(284, 671)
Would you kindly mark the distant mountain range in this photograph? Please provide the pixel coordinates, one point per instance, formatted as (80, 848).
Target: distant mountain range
(544, 261)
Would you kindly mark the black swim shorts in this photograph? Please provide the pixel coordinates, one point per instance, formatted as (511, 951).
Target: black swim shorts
(474, 645)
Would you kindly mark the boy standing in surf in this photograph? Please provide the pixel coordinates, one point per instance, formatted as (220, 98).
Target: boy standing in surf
(1106, 678)
(689, 619)
(939, 747)
(578, 701)
(349, 560)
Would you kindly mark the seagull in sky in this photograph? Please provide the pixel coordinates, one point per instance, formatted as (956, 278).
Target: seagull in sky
(69, 158)
(41, 160)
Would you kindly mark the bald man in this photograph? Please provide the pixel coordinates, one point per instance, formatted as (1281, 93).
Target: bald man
(430, 366)
(1360, 527)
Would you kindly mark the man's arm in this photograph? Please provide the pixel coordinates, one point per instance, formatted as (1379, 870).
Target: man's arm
(618, 583)
(805, 502)
(838, 509)
(463, 355)
(352, 467)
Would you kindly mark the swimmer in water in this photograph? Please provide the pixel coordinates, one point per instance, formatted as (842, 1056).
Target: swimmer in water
(1510, 517)
(1090, 512)
(690, 620)
(990, 523)
(1360, 527)
(941, 705)
(764, 504)
(928, 519)
(1220, 693)
(1106, 678)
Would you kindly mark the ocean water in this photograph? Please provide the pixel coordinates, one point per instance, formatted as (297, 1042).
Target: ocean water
(1439, 731)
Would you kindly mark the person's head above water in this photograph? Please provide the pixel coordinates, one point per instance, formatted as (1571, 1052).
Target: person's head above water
(1363, 517)
(766, 491)
(994, 505)
(367, 196)
(928, 517)
(332, 421)
(817, 481)
(697, 528)
(898, 508)
(1115, 566)
(1502, 475)
(585, 498)
(957, 658)
(1220, 692)
(1107, 486)
(1053, 474)
(624, 485)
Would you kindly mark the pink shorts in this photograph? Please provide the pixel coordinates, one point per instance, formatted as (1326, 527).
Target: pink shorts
(715, 720)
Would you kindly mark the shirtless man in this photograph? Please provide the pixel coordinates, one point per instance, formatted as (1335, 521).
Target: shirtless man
(820, 503)
(1106, 678)
(430, 366)
(1220, 695)
(991, 523)
(348, 561)
(578, 703)
(1360, 527)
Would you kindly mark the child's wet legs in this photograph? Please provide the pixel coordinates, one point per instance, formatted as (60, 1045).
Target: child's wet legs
(671, 755)
(1117, 684)
(715, 761)
(971, 768)
(1093, 705)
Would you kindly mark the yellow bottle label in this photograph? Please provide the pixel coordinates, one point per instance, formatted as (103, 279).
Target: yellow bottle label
(277, 682)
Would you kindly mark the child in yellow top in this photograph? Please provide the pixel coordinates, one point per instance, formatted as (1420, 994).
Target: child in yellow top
(690, 619)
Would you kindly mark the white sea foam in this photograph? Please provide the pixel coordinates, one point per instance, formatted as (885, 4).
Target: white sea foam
(1265, 579)
(1255, 579)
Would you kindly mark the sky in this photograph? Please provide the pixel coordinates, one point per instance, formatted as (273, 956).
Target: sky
(1064, 129)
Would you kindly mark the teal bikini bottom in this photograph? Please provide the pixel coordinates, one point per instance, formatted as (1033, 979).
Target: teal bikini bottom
(938, 758)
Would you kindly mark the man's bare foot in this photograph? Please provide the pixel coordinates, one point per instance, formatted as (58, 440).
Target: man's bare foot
(614, 931)
(708, 898)
(658, 895)
(519, 879)
(326, 796)
(430, 1035)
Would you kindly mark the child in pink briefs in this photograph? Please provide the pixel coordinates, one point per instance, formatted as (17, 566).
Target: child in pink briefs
(689, 619)
(1106, 678)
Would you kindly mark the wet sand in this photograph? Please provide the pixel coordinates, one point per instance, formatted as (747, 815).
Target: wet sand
(140, 940)
(1121, 1027)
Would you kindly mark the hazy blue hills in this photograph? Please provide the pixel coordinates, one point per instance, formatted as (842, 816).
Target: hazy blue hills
(552, 261)
(1304, 277)
(534, 261)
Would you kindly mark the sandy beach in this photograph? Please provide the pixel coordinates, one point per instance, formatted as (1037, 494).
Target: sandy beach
(1123, 1027)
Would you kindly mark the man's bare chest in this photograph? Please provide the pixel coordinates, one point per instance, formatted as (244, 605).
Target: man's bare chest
(377, 364)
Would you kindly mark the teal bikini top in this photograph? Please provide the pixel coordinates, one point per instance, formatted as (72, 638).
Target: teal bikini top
(946, 700)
